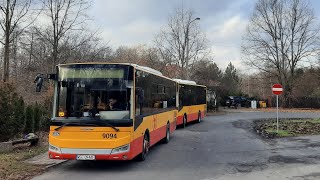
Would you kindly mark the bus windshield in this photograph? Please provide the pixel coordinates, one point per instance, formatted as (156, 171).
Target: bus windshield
(93, 91)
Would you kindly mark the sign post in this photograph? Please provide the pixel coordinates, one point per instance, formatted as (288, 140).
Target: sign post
(277, 90)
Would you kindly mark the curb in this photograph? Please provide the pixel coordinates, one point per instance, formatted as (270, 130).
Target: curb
(43, 160)
(51, 166)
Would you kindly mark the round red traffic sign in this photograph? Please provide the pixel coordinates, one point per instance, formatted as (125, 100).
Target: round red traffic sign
(277, 89)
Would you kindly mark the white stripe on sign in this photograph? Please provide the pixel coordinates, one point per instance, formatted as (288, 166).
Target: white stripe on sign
(277, 89)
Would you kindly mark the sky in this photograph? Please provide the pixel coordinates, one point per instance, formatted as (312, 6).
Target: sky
(136, 22)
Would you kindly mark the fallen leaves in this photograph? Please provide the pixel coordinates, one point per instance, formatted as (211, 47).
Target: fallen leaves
(287, 127)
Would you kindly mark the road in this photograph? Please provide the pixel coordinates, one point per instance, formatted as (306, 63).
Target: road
(220, 147)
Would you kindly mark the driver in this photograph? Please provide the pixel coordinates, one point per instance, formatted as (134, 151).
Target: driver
(114, 104)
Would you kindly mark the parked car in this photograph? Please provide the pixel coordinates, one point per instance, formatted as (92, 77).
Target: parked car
(236, 101)
(232, 101)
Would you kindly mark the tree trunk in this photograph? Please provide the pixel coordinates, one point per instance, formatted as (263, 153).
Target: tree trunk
(5, 76)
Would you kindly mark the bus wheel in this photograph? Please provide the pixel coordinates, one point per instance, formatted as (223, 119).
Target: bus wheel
(184, 121)
(199, 117)
(167, 137)
(145, 148)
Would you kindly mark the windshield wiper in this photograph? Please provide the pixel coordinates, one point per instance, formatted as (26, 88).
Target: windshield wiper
(108, 124)
(74, 123)
(66, 124)
(85, 123)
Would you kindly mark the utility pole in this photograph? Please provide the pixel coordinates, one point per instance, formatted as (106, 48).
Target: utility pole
(187, 45)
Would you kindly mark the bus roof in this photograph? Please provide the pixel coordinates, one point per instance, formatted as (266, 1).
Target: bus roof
(188, 82)
(144, 68)
(181, 81)
(139, 67)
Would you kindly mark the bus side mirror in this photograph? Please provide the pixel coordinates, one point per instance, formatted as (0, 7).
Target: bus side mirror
(39, 82)
(52, 76)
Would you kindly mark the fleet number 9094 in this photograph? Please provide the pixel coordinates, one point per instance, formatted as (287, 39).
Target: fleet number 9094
(109, 136)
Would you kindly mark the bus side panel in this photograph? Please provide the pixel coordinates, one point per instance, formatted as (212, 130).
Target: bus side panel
(180, 116)
(160, 126)
(156, 125)
(191, 112)
(136, 146)
(194, 112)
(140, 127)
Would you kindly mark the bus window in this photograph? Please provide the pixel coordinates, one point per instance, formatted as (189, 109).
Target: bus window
(87, 92)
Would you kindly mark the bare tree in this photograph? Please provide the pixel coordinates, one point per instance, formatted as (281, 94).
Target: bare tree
(13, 17)
(280, 36)
(65, 16)
(181, 41)
(141, 55)
(86, 46)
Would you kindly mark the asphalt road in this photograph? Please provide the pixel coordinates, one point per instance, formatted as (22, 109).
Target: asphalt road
(218, 148)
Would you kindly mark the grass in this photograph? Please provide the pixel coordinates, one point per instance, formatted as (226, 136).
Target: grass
(303, 121)
(13, 167)
(291, 127)
(280, 133)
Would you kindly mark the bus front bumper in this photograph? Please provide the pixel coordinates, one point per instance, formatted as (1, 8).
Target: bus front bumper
(120, 153)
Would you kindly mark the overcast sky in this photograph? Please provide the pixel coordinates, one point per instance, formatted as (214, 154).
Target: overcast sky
(135, 22)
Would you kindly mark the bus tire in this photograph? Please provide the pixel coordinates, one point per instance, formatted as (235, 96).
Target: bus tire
(145, 147)
(166, 139)
(199, 117)
(184, 121)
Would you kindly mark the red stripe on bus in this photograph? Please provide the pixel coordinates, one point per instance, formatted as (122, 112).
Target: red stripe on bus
(192, 117)
(157, 134)
(179, 120)
(136, 146)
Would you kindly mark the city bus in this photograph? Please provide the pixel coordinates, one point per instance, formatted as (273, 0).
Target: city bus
(191, 101)
(109, 111)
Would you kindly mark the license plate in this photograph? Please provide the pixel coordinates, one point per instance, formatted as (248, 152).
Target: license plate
(86, 157)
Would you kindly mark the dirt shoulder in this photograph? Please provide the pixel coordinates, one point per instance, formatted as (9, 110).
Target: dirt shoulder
(13, 167)
(287, 127)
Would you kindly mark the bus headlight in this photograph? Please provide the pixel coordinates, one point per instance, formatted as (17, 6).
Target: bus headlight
(54, 149)
(121, 149)
(55, 133)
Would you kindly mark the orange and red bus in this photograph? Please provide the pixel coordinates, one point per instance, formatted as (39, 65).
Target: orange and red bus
(106, 111)
(191, 102)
